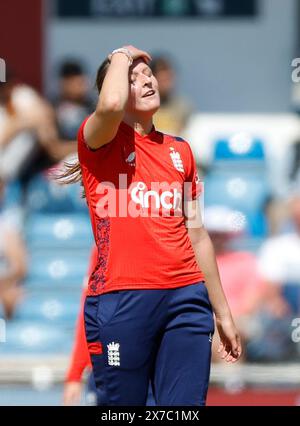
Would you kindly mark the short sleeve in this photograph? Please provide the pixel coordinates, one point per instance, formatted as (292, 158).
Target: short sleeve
(82, 145)
(85, 153)
(193, 185)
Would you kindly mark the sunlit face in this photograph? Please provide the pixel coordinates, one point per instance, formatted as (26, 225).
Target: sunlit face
(144, 94)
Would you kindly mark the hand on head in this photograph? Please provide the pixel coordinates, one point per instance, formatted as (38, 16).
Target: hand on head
(135, 53)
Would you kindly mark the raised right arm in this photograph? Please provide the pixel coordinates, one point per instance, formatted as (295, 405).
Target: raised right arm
(103, 124)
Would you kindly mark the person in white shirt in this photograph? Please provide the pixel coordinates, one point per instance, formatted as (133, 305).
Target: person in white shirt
(279, 262)
(279, 265)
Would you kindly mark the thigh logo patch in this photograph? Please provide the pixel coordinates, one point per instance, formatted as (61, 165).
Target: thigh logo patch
(113, 354)
(95, 348)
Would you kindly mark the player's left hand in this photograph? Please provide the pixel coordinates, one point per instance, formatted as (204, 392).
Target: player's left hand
(230, 348)
(72, 393)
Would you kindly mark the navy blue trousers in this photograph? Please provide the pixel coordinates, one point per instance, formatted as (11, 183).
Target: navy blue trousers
(162, 337)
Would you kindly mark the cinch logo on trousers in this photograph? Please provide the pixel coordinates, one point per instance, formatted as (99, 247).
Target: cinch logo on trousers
(113, 354)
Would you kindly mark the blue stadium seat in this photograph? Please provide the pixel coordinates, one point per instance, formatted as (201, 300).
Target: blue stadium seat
(58, 231)
(47, 196)
(32, 337)
(59, 237)
(12, 194)
(239, 148)
(291, 293)
(56, 307)
(56, 270)
(244, 192)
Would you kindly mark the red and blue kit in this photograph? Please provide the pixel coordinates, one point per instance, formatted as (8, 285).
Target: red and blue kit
(136, 187)
(147, 316)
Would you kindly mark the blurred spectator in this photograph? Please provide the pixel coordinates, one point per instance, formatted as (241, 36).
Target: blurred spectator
(295, 161)
(12, 263)
(279, 265)
(73, 103)
(243, 286)
(17, 142)
(174, 110)
(28, 135)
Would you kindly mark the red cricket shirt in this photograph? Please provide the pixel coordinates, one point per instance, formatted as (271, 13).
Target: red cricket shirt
(135, 187)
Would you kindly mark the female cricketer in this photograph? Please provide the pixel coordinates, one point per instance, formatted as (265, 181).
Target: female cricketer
(151, 296)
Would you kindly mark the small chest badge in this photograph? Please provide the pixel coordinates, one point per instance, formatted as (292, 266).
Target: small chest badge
(131, 159)
(176, 160)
